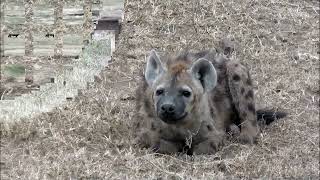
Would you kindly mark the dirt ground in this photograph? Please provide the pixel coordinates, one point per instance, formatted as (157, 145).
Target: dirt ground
(91, 138)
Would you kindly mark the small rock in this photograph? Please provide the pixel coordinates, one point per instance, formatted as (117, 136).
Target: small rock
(127, 98)
(222, 167)
(296, 56)
(228, 46)
(28, 79)
(97, 79)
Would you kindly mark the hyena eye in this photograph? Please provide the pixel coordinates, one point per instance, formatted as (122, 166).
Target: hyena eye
(159, 92)
(186, 93)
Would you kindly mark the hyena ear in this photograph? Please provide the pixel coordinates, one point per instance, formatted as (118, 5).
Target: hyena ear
(154, 68)
(204, 71)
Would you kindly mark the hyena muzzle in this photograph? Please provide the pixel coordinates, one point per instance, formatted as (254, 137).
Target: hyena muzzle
(188, 103)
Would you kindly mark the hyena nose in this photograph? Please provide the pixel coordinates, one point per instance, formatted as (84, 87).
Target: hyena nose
(168, 108)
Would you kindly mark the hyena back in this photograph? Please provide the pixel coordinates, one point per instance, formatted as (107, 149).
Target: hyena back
(186, 103)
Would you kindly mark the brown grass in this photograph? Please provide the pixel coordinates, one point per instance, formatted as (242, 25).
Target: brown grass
(91, 138)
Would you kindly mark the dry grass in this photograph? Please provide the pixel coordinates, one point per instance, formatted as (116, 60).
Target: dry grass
(91, 137)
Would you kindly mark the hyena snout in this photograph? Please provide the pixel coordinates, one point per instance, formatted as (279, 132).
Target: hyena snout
(168, 109)
(170, 112)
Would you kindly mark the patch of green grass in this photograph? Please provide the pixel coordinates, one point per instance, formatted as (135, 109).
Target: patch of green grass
(14, 70)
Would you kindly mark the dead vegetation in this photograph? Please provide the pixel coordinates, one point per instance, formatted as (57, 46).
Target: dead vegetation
(92, 137)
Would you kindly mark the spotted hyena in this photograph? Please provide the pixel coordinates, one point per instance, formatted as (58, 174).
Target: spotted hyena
(187, 103)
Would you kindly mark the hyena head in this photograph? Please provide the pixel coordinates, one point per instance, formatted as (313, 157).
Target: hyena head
(179, 86)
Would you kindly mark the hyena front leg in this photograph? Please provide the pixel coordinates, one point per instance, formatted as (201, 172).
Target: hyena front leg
(241, 90)
(149, 138)
(167, 147)
(209, 139)
(209, 146)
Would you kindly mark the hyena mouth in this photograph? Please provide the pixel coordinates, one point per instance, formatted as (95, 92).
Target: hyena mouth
(173, 120)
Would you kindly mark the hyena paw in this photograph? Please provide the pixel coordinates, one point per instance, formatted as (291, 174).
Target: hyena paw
(233, 130)
(249, 134)
(166, 147)
(208, 147)
(247, 138)
(145, 139)
(142, 141)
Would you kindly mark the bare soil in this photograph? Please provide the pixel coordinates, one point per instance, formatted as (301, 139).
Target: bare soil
(91, 138)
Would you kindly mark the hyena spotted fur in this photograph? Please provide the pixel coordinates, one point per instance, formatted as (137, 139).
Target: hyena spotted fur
(189, 102)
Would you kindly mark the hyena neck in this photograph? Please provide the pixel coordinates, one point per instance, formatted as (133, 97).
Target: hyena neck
(203, 111)
(198, 115)
(200, 112)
